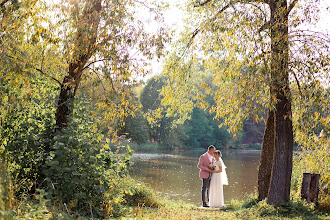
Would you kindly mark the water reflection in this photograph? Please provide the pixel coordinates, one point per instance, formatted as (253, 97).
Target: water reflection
(175, 174)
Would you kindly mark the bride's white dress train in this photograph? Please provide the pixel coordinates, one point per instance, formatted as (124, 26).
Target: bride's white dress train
(216, 185)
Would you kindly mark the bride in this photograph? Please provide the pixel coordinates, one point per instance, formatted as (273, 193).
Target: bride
(219, 178)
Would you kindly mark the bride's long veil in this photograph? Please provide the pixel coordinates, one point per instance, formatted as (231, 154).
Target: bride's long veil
(223, 174)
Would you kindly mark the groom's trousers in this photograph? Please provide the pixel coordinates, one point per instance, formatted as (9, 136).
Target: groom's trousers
(206, 188)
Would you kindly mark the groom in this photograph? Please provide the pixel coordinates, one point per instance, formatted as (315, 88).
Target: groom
(204, 161)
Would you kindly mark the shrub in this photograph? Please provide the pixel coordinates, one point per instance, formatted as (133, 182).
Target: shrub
(139, 194)
(72, 165)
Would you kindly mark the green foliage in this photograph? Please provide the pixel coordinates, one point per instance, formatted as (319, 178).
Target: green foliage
(136, 128)
(249, 207)
(6, 192)
(198, 131)
(72, 165)
(201, 131)
(304, 162)
(150, 100)
(141, 195)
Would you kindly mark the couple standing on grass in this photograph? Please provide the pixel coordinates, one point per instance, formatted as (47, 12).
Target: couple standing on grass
(213, 174)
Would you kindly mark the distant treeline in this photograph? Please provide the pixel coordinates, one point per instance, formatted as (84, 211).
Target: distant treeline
(199, 131)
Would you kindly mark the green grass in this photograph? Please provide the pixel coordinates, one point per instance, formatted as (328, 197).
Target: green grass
(248, 208)
(144, 203)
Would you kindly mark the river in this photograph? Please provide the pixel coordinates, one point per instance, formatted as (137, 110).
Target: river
(175, 173)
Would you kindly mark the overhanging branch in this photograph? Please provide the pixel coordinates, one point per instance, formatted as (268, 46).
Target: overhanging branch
(197, 30)
(96, 61)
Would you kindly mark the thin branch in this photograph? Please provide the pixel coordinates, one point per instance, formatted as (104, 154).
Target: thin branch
(197, 30)
(302, 34)
(96, 61)
(265, 26)
(298, 84)
(48, 76)
(291, 6)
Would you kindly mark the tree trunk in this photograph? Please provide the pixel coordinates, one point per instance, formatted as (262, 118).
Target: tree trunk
(314, 188)
(306, 182)
(310, 187)
(279, 191)
(65, 103)
(85, 47)
(266, 157)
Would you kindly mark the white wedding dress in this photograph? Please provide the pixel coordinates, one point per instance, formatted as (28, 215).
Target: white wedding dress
(216, 186)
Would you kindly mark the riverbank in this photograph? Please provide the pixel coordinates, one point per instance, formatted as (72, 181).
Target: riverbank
(248, 208)
(146, 204)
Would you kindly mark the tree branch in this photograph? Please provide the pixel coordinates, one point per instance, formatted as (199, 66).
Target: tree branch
(200, 4)
(298, 84)
(291, 6)
(197, 30)
(96, 61)
(48, 75)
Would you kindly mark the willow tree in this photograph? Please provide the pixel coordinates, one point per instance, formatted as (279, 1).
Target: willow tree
(70, 42)
(259, 56)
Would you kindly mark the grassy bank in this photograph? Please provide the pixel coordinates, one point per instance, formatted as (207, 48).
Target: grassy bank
(248, 208)
(144, 203)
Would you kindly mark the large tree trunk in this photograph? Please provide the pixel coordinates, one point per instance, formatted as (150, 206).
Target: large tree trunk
(65, 102)
(279, 191)
(266, 157)
(85, 48)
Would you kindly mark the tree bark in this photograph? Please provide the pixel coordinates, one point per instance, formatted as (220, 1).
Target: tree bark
(266, 157)
(310, 187)
(85, 47)
(306, 182)
(279, 191)
(314, 188)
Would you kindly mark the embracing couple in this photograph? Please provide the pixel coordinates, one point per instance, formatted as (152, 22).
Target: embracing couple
(213, 174)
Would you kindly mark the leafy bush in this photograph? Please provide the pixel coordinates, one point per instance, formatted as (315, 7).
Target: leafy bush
(306, 162)
(139, 195)
(72, 165)
(79, 171)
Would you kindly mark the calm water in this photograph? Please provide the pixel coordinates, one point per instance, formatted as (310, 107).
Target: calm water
(175, 174)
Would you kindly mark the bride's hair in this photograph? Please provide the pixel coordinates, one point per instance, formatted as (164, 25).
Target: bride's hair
(218, 152)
